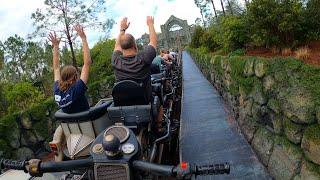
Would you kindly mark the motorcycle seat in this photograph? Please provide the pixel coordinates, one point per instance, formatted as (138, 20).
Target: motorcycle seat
(90, 115)
(129, 93)
(156, 76)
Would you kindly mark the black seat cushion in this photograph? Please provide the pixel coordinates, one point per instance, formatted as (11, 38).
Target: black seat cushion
(157, 76)
(92, 114)
(129, 93)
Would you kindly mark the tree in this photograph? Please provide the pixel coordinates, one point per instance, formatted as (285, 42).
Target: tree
(62, 15)
(204, 11)
(230, 7)
(311, 22)
(199, 5)
(15, 56)
(222, 6)
(21, 96)
(101, 70)
(1, 57)
(196, 37)
(275, 23)
(235, 32)
(35, 62)
(214, 9)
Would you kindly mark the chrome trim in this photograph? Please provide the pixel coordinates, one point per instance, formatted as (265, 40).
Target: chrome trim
(117, 126)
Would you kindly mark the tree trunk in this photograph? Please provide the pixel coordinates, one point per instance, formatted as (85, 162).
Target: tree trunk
(230, 7)
(214, 9)
(224, 13)
(74, 61)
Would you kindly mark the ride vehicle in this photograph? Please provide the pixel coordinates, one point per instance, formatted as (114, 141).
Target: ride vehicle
(125, 137)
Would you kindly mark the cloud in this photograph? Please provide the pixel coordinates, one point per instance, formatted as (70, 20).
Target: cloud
(137, 10)
(15, 15)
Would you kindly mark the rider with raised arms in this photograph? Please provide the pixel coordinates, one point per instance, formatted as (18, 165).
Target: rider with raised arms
(127, 62)
(69, 89)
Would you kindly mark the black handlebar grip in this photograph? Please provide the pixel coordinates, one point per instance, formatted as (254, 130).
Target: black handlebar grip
(13, 164)
(213, 169)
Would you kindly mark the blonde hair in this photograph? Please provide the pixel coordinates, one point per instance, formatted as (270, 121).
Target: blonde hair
(69, 75)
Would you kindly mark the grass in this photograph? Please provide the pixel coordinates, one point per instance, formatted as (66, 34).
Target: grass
(286, 52)
(303, 53)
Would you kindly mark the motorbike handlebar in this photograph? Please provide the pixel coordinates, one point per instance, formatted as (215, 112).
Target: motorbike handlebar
(183, 171)
(36, 167)
(65, 165)
(13, 164)
(212, 169)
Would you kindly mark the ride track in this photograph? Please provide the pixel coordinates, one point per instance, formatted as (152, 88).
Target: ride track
(208, 134)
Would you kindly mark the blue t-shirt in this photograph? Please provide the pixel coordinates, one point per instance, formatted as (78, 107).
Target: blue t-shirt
(74, 99)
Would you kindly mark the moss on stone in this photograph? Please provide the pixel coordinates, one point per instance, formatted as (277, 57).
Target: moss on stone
(249, 67)
(289, 146)
(314, 168)
(260, 67)
(318, 114)
(293, 131)
(274, 105)
(312, 133)
(277, 122)
(263, 143)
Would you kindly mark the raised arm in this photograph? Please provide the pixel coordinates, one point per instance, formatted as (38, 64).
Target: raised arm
(86, 54)
(56, 67)
(152, 32)
(124, 25)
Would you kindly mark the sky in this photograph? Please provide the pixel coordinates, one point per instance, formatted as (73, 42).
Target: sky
(15, 15)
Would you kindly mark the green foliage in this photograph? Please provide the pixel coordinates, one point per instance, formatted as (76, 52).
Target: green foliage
(195, 40)
(22, 95)
(1, 57)
(235, 30)
(266, 23)
(238, 52)
(5, 150)
(274, 23)
(208, 39)
(101, 72)
(311, 21)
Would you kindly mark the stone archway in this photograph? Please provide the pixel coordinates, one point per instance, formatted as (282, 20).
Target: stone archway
(170, 38)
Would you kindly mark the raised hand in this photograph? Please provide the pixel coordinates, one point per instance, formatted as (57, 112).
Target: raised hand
(124, 24)
(150, 20)
(80, 31)
(53, 39)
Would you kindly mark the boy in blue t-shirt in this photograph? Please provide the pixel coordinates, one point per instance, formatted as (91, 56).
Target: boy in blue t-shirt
(69, 89)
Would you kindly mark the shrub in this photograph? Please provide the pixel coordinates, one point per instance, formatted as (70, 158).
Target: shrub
(275, 23)
(238, 52)
(234, 31)
(195, 40)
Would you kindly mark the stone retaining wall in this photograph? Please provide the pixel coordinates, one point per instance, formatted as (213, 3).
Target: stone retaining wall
(276, 103)
(25, 135)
